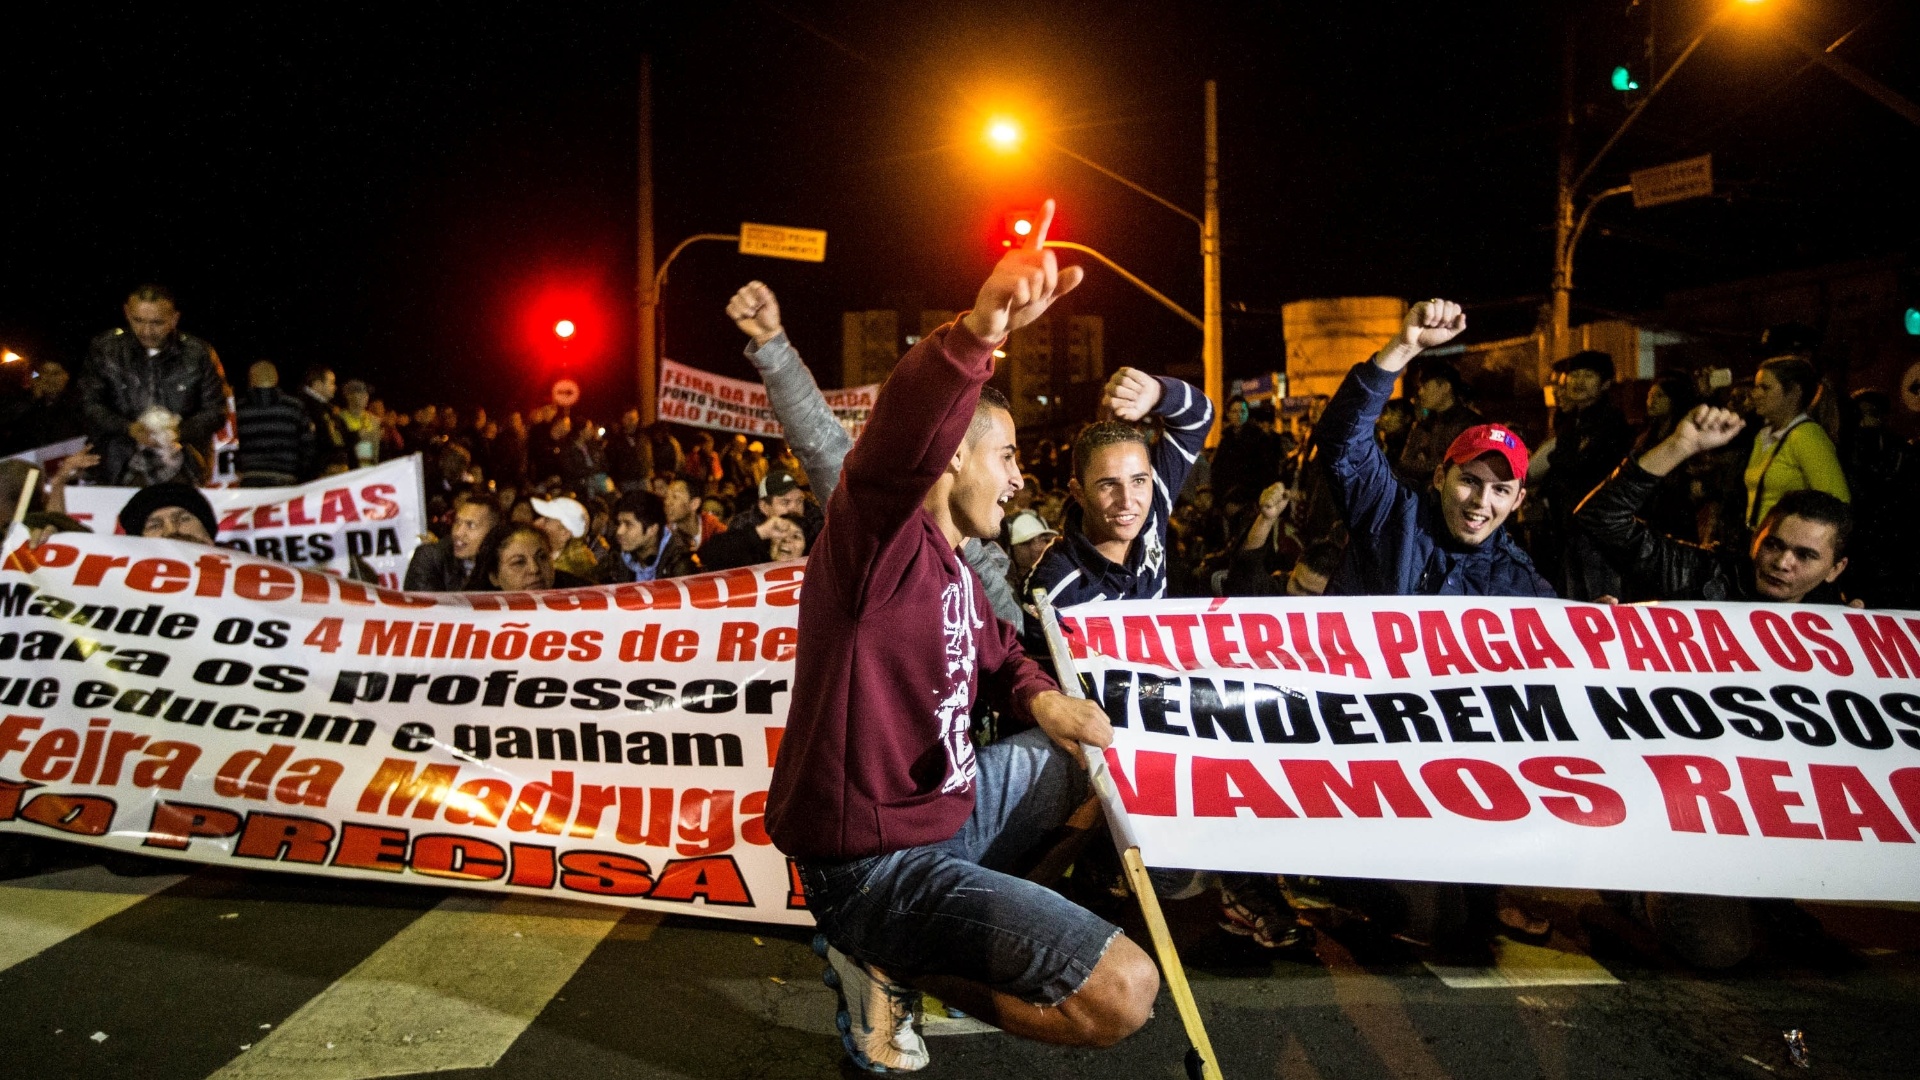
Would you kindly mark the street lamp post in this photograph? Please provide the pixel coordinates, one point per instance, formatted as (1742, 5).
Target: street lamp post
(1003, 134)
(657, 333)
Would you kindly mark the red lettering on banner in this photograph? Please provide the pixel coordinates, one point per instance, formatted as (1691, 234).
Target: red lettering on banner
(715, 879)
(1143, 641)
(1297, 633)
(1443, 654)
(1770, 804)
(1686, 781)
(1722, 647)
(557, 795)
(605, 873)
(1676, 636)
(1154, 795)
(174, 824)
(1537, 647)
(753, 823)
(1637, 641)
(783, 586)
(1447, 779)
(1221, 786)
(1336, 643)
(1318, 783)
(1604, 806)
(647, 596)
(737, 641)
(1782, 646)
(1182, 627)
(1394, 632)
(1593, 630)
(1492, 655)
(82, 815)
(93, 569)
(1848, 803)
(168, 765)
(1100, 637)
(283, 838)
(478, 802)
(396, 783)
(380, 507)
(1815, 628)
(1219, 646)
(52, 756)
(706, 821)
(158, 576)
(372, 847)
(462, 858)
(532, 866)
(728, 588)
(1888, 649)
(258, 768)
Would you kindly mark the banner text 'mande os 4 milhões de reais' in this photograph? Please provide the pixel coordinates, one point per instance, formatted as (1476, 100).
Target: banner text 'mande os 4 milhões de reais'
(616, 743)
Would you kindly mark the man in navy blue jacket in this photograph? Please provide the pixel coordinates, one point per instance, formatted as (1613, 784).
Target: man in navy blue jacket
(1449, 540)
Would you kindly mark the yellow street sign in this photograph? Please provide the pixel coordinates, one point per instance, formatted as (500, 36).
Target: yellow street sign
(1689, 179)
(781, 242)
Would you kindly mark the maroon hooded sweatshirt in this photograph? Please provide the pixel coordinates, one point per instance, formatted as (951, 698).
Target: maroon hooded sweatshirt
(896, 636)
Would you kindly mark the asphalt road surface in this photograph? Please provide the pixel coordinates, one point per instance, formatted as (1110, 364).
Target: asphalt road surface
(262, 976)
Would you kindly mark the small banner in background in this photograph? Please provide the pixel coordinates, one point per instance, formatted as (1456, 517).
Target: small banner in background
(377, 513)
(694, 397)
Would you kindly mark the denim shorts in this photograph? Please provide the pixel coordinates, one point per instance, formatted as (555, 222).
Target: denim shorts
(949, 909)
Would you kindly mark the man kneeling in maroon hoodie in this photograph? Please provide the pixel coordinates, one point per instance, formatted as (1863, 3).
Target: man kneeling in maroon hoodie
(902, 831)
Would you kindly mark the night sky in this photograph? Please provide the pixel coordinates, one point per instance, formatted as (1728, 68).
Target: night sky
(391, 189)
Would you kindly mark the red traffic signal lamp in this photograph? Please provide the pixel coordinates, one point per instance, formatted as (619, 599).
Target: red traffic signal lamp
(1017, 226)
(563, 329)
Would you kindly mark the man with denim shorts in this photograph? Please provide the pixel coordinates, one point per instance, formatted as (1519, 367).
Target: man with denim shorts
(905, 835)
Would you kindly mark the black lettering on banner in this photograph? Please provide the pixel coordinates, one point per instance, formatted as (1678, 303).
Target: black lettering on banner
(1537, 714)
(1628, 713)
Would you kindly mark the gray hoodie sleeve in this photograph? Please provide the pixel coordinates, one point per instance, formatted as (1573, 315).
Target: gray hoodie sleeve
(812, 430)
(990, 561)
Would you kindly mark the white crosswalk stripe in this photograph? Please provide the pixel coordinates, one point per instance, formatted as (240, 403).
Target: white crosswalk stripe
(40, 912)
(454, 990)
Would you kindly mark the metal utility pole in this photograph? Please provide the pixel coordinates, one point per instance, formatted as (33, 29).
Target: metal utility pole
(645, 290)
(1561, 312)
(1212, 335)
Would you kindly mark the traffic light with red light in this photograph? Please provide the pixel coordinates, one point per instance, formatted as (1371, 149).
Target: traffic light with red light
(1017, 226)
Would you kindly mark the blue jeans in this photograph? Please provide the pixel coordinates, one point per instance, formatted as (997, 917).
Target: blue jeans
(949, 909)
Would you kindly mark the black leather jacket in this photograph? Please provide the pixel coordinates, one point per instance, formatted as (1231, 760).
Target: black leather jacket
(1658, 567)
(120, 381)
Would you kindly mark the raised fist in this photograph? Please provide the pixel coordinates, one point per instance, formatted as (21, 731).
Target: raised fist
(754, 310)
(1024, 284)
(1130, 395)
(1707, 428)
(1432, 322)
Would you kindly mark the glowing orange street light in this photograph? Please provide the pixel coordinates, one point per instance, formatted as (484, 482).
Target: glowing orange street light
(8, 356)
(564, 328)
(1003, 134)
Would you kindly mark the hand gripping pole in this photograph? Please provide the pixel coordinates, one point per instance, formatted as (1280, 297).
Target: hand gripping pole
(1201, 1064)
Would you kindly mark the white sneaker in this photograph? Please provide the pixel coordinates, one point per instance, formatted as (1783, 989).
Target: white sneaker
(876, 1017)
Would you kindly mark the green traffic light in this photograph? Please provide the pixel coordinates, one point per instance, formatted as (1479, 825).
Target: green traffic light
(1913, 321)
(1623, 79)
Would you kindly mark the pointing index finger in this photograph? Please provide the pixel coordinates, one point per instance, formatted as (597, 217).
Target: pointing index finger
(1038, 238)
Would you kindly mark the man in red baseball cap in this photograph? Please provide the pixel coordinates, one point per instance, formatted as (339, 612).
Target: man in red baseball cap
(1445, 541)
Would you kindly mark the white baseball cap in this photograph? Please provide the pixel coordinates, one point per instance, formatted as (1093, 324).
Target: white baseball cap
(1026, 525)
(566, 511)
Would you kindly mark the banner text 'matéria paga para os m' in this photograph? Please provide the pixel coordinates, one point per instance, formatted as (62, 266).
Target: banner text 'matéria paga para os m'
(616, 743)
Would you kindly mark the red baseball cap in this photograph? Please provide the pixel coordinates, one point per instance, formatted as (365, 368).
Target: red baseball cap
(1483, 439)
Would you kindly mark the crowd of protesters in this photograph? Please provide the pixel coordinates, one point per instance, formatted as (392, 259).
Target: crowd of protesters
(1777, 488)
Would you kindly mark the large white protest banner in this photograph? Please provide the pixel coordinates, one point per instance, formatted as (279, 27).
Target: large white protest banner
(616, 743)
(694, 397)
(611, 744)
(377, 513)
(1759, 750)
